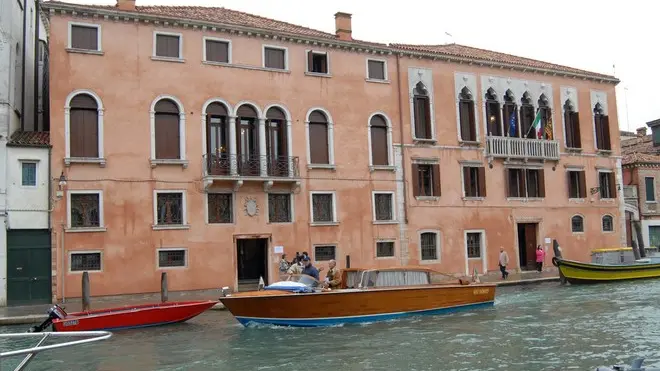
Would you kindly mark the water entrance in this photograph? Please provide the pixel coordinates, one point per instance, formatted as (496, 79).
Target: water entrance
(527, 245)
(251, 258)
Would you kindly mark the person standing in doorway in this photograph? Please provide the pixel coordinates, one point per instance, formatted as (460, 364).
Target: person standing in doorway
(504, 261)
(540, 257)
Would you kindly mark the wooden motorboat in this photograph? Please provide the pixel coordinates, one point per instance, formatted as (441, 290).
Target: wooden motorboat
(381, 294)
(607, 265)
(126, 317)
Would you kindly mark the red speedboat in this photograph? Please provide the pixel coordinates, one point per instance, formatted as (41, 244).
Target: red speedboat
(127, 317)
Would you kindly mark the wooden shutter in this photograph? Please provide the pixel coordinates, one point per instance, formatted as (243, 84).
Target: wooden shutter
(310, 61)
(473, 121)
(436, 180)
(90, 134)
(418, 116)
(427, 117)
(217, 51)
(569, 184)
(582, 184)
(414, 169)
(167, 46)
(464, 112)
(612, 184)
(569, 129)
(541, 181)
(376, 70)
(83, 37)
(318, 143)
(274, 58)
(77, 133)
(575, 123)
(379, 150)
(522, 186)
(508, 188)
(481, 171)
(167, 136)
(467, 181)
(605, 127)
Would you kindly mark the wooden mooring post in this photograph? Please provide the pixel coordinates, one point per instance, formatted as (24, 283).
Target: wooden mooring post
(86, 300)
(163, 287)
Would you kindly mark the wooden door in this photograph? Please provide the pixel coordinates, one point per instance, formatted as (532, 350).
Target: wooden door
(28, 267)
(530, 245)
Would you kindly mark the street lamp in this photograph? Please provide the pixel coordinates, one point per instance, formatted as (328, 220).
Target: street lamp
(62, 181)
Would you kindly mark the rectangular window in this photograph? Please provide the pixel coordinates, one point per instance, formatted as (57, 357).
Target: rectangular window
(467, 120)
(602, 126)
(323, 208)
(422, 117)
(572, 121)
(170, 208)
(426, 180)
(85, 261)
(85, 209)
(168, 45)
(649, 183)
(220, 208)
(324, 253)
(85, 37)
(383, 207)
(428, 243)
(384, 249)
(577, 186)
(275, 58)
(474, 181)
(607, 184)
(317, 62)
(29, 174)
(279, 208)
(171, 258)
(525, 183)
(655, 132)
(217, 50)
(376, 70)
(473, 243)
(654, 235)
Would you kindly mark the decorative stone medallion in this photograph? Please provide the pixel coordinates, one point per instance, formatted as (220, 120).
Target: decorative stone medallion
(251, 207)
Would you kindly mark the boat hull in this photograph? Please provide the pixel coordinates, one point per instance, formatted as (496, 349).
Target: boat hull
(130, 317)
(355, 306)
(585, 273)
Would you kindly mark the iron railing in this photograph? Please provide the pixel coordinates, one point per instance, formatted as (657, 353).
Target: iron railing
(226, 165)
(522, 148)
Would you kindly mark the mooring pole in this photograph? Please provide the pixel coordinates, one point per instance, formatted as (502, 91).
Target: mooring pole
(163, 287)
(86, 302)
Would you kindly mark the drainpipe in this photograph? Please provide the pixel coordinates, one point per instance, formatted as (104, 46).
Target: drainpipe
(37, 11)
(62, 265)
(403, 157)
(50, 187)
(23, 75)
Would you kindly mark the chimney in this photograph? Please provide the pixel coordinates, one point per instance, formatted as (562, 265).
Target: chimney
(128, 5)
(343, 26)
(641, 132)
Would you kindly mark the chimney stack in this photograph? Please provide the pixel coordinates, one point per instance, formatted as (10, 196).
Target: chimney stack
(343, 27)
(128, 5)
(641, 132)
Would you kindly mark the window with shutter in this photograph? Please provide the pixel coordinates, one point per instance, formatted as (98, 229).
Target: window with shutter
(474, 181)
(317, 62)
(83, 127)
(422, 112)
(217, 51)
(168, 46)
(572, 126)
(379, 142)
(376, 70)
(85, 37)
(318, 138)
(166, 127)
(466, 116)
(275, 58)
(493, 119)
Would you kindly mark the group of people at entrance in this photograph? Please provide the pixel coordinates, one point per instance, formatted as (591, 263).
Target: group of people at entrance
(504, 261)
(302, 264)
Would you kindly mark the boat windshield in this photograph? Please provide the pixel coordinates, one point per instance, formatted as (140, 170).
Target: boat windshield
(304, 279)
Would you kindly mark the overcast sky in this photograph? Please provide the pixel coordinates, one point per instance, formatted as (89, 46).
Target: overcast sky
(587, 34)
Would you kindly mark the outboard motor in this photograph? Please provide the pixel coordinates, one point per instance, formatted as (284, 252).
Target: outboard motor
(635, 366)
(55, 312)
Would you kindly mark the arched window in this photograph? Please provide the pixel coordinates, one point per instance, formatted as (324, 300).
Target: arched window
(510, 115)
(545, 131)
(276, 142)
(217, 138)
(571, 125)
(380, 154)
(608, 223)
(247, 140)
(602, 126)
(466, 116)
(84, 127)
(166, 126)
(577, 224)
(494, 124)
(422, 112)
(527, 117)
(318, 138)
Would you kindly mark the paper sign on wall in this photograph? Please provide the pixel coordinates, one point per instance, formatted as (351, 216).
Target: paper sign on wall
(279, 249)
(548, 240)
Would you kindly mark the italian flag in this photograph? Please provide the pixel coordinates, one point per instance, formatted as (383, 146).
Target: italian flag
(536, 126)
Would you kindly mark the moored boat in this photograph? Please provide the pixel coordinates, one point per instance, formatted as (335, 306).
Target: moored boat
(126, 317)
(380, 294)
(607, 265)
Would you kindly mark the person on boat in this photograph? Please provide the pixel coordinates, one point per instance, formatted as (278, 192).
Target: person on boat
(333, 277)
(540, 257)
(309, 269)
(284, 264)
(504, 261)
(295, 268)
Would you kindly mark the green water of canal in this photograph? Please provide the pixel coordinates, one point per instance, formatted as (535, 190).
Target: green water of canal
(530, 328)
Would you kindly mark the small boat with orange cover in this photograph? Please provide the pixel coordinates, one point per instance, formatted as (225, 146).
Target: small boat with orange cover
(121, 318)
(365, 295)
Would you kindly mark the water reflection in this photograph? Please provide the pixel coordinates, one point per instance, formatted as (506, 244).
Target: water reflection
(544, 327)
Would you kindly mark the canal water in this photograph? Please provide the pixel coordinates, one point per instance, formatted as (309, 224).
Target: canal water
(530, 328)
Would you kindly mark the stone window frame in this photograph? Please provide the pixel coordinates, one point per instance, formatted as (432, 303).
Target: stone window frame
(233, 207)
(68, 160)
(602, 218)
(99, 38)
(182, 160)
(392, 194)
(23, 162)
(292, 214)
(156, 57)
(438, 246)
(184, 210)
(392, 240)
(80, 252)
(101, 227)
(217, 39)
(335, 220)
(286, 57)
(646, 193)
(390, 152)
(573, 231)
(331, 140)
(185, 257)
(483, 250)
(386, 79)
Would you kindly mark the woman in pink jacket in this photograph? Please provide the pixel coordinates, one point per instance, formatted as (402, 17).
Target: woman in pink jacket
(540, 256)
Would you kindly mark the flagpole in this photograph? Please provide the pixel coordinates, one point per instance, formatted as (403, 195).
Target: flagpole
(530, 128)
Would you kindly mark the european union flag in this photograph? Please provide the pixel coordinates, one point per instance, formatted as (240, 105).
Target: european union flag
(512, 125)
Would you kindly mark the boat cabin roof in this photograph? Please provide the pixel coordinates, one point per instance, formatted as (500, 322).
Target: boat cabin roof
(612, 249)
(392, 269)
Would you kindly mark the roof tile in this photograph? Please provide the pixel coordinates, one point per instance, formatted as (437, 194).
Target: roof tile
(29, 139)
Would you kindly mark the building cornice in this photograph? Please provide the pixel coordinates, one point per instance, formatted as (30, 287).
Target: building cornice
(360, 47)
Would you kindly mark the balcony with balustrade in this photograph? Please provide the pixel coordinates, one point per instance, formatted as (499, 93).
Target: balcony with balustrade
(251, 168)
(512, 148)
